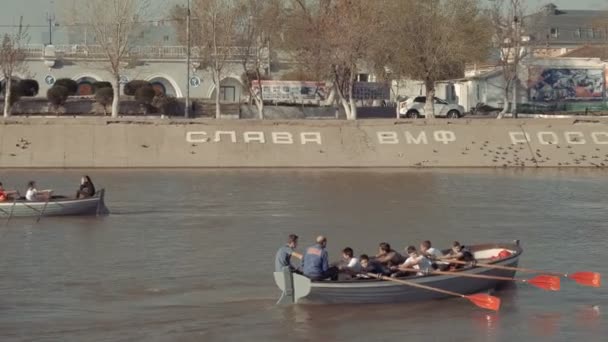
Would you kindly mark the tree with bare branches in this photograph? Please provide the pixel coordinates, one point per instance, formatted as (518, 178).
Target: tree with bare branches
(12, 58)
(114, 24)
(507, 16)
(215, 22)
(260, 23)
(334, 37)
(435, 39)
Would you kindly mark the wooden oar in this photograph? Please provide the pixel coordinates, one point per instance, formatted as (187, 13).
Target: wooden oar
(482, 300)
(592, 279)
(43, 209)
(545, 282)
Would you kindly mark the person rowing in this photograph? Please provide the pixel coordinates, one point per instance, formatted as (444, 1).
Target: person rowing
(350, 265)
(387, 256)
(460, 253)
(415, 260)
(86, 189)
(34, 195)
(433, 254)
(371, 266)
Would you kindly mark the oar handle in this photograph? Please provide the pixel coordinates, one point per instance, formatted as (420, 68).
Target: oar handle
(413, 284)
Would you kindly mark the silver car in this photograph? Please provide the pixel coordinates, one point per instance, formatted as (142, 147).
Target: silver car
(414, 108)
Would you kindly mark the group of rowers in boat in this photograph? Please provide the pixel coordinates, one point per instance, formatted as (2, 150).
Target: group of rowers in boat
(315, 260)
(85, 190)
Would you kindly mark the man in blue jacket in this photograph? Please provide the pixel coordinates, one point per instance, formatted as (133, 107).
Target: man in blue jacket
(315, 264)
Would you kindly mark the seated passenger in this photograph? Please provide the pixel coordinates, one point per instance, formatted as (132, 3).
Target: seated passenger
(414, 261)
(387, 256)
(349, 264)
(6, 195)
(315, 263)
(87, 189)
(283, 257)
(371, 266)
(459, 252)
(33, 195)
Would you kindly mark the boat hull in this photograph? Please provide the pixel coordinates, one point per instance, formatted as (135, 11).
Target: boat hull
(376, 291)
(62, 207)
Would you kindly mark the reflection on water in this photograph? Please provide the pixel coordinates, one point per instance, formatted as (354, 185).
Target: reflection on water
(187, 255)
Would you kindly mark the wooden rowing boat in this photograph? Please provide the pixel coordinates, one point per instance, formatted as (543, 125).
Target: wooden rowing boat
(55, 207)
(299, 289)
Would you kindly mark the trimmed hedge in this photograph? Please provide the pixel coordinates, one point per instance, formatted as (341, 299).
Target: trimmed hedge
(69, 84)
(57, 96)
(131, 88)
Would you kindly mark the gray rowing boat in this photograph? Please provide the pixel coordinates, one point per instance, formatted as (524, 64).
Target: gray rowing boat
(299, 289)
(55, 207)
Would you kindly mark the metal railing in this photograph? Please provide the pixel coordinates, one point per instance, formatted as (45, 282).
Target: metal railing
(233, 53)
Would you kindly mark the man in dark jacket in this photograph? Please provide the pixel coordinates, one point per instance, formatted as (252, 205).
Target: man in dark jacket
(315, 264)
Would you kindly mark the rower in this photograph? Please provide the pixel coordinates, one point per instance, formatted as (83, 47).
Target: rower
(460, 253)
(349, 265)
(33, 195)
(5, 195)
(415, 261)
(387, 256)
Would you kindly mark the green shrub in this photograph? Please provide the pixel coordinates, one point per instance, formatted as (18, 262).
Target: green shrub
(69, 84)
(57, 96)
(132, 87)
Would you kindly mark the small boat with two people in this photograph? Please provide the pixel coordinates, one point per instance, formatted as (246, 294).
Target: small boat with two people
(39, 203)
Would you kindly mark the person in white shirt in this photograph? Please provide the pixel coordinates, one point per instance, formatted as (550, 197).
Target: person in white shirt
(349, 264)
(414, 261)
(34, 195)
(430, 252)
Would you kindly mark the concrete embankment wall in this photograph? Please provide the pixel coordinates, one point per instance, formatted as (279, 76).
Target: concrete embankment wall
(97, 142)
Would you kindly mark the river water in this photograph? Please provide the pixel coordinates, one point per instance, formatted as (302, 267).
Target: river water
(187, 255)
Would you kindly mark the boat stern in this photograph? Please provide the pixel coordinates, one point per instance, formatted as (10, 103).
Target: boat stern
(294, 286)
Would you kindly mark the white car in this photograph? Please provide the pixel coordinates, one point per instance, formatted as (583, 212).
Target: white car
(414, 108)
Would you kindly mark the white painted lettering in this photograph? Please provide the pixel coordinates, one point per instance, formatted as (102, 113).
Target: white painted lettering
(553, 139)
(575, 138)
(231, 134)
(388, 138)
(519, 138)
(421, 139)
(600, 138)
(197, 137)
(444, 137)
(311, 137)
(258, 137)
(283, 138)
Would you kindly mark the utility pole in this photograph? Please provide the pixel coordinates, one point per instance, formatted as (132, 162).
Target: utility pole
(187, 106)
(517, 38)
(50, 18)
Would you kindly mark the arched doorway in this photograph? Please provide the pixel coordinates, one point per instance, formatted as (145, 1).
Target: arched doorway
(164, 86)
(85, 85)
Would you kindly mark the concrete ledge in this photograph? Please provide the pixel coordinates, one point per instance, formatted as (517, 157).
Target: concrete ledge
(130, 142)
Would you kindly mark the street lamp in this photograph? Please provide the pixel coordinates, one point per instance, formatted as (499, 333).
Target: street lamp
(187, 106)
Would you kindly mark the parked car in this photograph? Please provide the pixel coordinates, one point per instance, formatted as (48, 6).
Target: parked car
(414, 108)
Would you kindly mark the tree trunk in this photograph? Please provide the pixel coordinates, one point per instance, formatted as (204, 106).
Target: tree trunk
(260, 105)
(505, 100)
(514, 104)
(116, 99)
(429, 106)
(351, 99)
(218, 111)
(7, 97)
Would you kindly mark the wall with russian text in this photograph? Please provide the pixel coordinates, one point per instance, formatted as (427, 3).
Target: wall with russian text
(95, 142)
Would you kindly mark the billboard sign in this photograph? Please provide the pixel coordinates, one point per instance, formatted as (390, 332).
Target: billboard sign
(550, 85)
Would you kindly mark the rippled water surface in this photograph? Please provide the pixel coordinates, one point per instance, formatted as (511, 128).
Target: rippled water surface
(188, 255)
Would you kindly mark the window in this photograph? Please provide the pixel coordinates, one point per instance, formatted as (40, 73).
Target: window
(597, 33)
(554, 32)
(363, 77)
(228, 94)
(420, 99)
(578, 33)
(166, 38)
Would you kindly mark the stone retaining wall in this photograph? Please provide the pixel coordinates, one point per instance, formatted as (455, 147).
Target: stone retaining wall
(101, 142)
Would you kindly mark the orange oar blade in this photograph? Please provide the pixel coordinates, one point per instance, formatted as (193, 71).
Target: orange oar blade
(485, 301)
(587, 278)
(545, 282)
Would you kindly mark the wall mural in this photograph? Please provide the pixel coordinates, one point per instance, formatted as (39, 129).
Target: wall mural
(549, 85)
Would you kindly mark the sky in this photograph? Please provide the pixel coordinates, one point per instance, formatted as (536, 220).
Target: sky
(34, 11)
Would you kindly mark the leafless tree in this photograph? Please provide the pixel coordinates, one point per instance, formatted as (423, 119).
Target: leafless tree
(435, 39)
(216, 24)
(334, 36)
(507, 16)
(12, 58)
(260, 23)
(114, 24)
